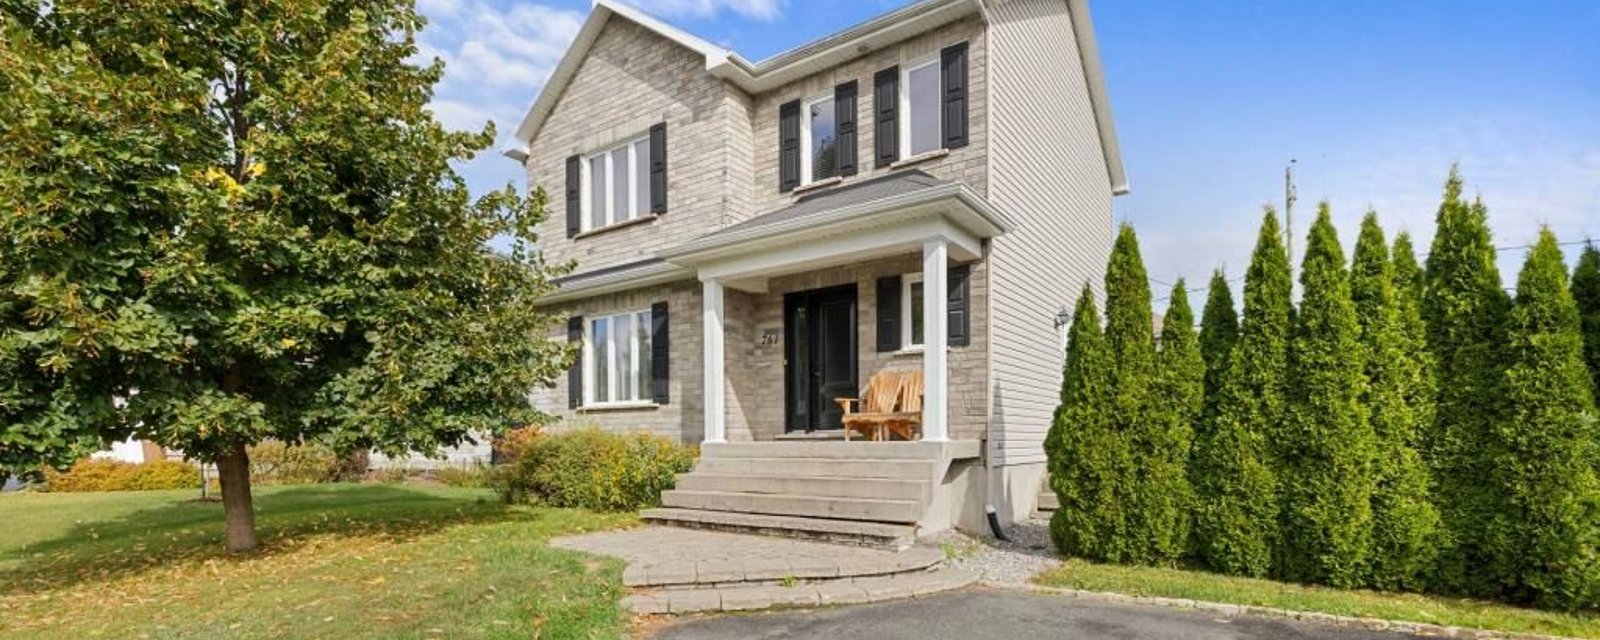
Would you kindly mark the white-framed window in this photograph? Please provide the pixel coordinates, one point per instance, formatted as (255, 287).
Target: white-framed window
(920, 108)
(911, 301)
(616, 359)
(616, 184)
(819, 140)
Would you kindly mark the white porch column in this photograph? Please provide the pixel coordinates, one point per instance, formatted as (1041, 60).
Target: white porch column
(712, 364)
(935, 337)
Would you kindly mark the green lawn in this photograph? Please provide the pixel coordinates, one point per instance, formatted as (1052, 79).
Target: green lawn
(1196, 585)
(338, 561)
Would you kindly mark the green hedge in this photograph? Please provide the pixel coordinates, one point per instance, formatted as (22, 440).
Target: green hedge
(592, 469)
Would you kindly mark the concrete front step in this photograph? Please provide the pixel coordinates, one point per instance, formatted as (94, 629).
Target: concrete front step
(1048, 501)
(808, 506)
(880, 488)
(719, 572)
(833, 592)
(790, 467)
(838, 450)
(871, 534)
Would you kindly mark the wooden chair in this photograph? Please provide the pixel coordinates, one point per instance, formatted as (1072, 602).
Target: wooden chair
(877, 399)
(890, 403)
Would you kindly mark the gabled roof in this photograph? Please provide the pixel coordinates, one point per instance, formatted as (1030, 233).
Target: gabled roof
(757, 77)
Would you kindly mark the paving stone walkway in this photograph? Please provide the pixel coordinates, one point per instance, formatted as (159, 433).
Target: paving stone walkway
(675, 570)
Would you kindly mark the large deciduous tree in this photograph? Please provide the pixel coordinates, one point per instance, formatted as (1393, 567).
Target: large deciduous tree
(1465, 309)
(231, 222)
(1542, 453)
(1235, 481)
(1399, 402)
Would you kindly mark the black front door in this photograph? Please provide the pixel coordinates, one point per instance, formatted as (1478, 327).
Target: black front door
(819, 328)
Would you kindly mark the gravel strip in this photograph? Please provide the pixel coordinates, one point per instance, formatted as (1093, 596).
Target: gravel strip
(1028, 553)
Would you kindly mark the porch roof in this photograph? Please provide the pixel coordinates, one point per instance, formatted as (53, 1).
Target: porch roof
(897, 199)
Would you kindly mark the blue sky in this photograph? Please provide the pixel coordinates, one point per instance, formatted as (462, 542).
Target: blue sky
(1375, 99)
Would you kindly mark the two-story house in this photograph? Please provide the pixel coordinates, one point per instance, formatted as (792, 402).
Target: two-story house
(927, 191)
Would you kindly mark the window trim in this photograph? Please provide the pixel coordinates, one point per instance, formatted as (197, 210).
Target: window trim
(906, 280)
(643, 394)
(641, 209)
(905, 104)
(806, 160)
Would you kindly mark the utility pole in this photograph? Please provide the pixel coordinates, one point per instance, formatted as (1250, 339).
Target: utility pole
(1289, 197)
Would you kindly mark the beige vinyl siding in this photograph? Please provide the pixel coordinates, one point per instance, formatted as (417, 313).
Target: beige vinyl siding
(1048, 172)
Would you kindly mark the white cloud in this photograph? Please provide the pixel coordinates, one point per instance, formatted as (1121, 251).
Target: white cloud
(753, 9)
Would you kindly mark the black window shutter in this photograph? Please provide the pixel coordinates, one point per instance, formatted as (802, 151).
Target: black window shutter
(959, 306)
(953, 76)
(659, 352)
(889, 314)
(574, 196)
(658, 168)
(844, 114)
(789, 146)
(575, 374)
(886, 116)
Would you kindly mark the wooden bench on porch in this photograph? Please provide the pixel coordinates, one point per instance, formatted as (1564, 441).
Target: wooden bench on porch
(891, 404)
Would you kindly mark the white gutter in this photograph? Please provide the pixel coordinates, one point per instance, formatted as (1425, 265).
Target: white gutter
(1089, 54)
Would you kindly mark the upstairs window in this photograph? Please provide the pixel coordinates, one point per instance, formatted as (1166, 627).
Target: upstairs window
(616, 184)
(821, 142)
(920, 108)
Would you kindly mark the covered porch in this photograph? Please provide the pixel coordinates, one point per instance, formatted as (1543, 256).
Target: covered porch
(806, 305)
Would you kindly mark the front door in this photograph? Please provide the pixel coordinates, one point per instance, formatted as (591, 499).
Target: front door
(819, 328)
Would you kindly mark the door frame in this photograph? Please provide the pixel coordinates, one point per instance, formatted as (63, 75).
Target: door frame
(811, 300)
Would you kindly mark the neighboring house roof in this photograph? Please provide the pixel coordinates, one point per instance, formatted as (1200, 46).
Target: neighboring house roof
(819, 55)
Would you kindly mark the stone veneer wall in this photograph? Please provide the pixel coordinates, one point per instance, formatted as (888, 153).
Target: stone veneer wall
(755, 371)
(633, 79)
(682, 418)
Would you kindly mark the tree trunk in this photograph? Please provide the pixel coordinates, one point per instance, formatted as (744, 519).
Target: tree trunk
(233, 472)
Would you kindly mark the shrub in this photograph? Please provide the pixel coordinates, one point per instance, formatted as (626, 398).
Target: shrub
(1163, 452)
(275, 462)
(1219, 332)
(115, 475)
(1586, 291)
(592, 469)
(474, 476)
(510, 446)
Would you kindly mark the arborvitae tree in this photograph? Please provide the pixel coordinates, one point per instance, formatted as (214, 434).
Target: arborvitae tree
(1465, 310)
(1088, 459)
(1399, 401)
(1409, 280)
(1236, 489)
(1162, 454)
(1219, 332)
(1586, 290)
(1326, 481)
(1156, 506)
(1544, 449)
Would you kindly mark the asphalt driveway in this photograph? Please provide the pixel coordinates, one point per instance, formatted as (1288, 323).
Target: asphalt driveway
(1005, 614)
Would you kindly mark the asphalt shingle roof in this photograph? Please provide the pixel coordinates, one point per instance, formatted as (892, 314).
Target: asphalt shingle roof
(887, 186)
